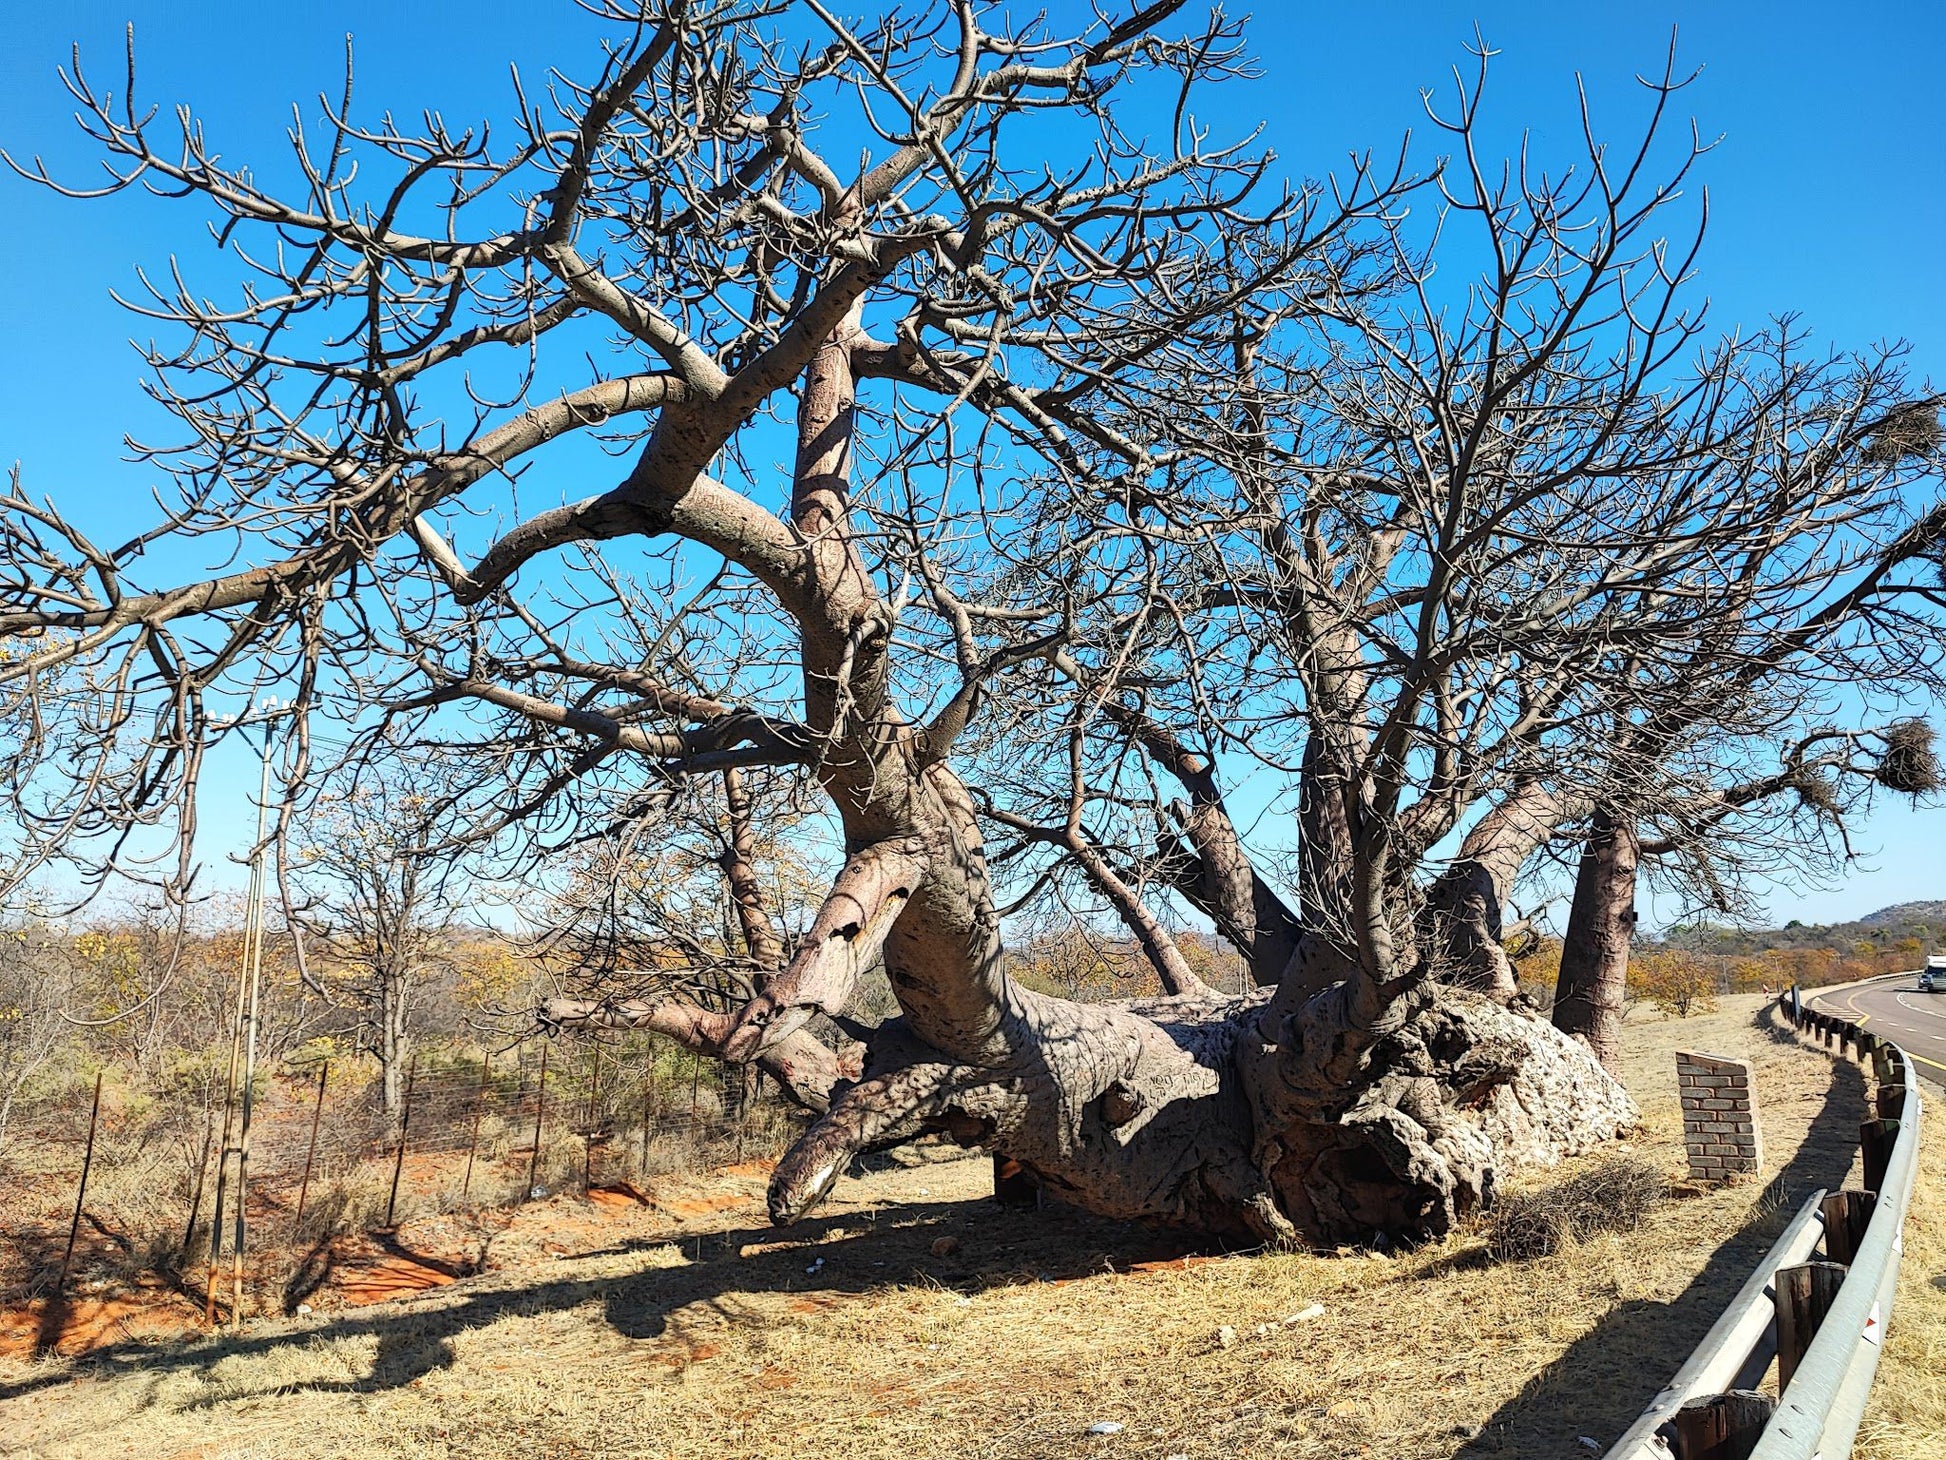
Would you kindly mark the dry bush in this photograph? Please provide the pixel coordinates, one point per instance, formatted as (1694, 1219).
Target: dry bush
(1615, 1195)
(1675, 980)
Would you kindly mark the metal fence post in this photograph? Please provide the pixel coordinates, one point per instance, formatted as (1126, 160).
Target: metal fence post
(540, 1108)
(223, 1151)
(311, 1151)
(81, 1192)
(648, 1104)
(405, 1124)
(473, 1141)
(196, 1192)
(594, 1107)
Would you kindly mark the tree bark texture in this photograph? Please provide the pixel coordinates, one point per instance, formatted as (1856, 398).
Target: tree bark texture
(1591, 990)
(392, 1007)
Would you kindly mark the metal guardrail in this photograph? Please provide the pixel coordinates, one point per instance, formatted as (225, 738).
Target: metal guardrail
(1817, 1415)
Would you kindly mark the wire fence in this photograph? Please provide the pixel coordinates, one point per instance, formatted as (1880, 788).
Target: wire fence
(141, 1179)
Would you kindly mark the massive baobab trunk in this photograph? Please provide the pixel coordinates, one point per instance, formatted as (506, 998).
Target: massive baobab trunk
(1338, 1116)
(1349, 1114)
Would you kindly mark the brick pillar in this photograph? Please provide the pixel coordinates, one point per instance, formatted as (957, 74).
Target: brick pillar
(1719, 1117)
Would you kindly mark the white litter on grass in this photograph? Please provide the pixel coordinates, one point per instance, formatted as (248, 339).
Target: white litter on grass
(537, 1193)
(1105, 1427)
(1304, 1315)
(1225, 1336)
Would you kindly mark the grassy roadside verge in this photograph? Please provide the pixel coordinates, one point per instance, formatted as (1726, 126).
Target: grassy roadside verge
(912, 1318)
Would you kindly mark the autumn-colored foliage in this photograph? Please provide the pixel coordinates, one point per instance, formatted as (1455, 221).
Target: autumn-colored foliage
(1675, 980)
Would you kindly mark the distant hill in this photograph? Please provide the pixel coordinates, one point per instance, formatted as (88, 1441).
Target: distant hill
(1923, 923)
(1933, 914)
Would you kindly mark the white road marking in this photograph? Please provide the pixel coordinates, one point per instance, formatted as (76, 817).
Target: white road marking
(1920, 1009)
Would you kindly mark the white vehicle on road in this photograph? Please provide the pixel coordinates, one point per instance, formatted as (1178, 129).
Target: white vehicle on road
(1932, 978)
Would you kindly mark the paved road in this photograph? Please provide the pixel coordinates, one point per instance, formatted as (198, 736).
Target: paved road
(1895, 1008)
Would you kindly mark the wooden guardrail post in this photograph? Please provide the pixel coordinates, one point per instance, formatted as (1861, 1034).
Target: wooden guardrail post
(1804, 1295)
(1876, 1138)
(1846, 1214)
(1883, 1069)
(1890, 1100)
(1723, 1426)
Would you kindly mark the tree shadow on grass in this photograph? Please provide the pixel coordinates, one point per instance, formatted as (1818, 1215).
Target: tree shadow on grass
(810, 1264)
(1607, 1377)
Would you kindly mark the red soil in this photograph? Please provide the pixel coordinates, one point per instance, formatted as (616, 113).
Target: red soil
(390, 1277)
(82, 1324)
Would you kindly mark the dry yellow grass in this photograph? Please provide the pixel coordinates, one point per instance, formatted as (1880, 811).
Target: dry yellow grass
(847, 1336)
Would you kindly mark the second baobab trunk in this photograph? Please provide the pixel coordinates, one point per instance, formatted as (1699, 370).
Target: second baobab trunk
(1591, 991)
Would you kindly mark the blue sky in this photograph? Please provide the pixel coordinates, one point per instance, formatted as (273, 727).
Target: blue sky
(1826, 191)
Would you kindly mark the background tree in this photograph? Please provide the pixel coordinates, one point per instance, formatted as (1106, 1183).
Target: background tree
(1464, 572)
(379, 889)
(1707, 842)
(38, 980)
(1677, 982)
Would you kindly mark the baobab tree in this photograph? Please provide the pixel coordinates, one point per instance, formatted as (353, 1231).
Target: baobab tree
(1085, 419)
(1734, 763)
(1704, 836)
